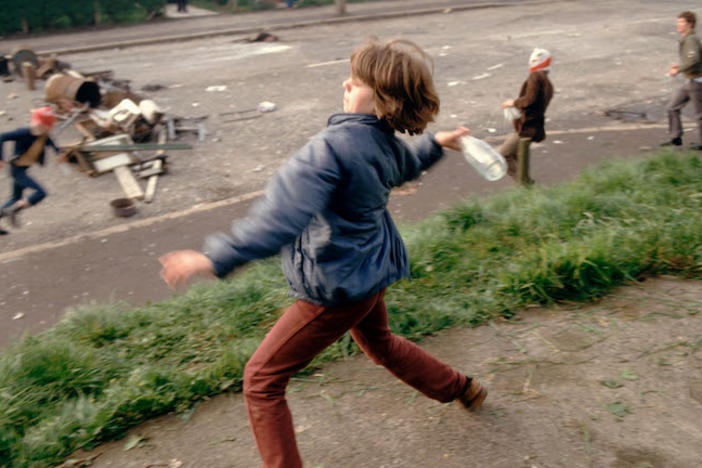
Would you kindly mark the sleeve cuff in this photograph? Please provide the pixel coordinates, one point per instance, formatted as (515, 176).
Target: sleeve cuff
(219, 249)
(430, 150)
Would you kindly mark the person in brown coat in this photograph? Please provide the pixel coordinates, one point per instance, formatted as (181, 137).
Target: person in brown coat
(534, 97)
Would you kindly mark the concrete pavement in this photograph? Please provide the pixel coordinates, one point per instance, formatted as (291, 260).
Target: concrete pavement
(196, 27)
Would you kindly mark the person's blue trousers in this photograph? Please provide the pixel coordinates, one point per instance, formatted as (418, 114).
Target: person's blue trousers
(22, 181)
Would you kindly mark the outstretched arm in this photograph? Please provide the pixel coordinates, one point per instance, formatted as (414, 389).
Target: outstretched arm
(425, 152)
(51, 143)
(60, 155)
(181, 265)
(451, 139)
(300, 189)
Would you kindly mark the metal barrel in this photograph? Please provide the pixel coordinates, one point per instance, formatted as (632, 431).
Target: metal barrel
(62, 87)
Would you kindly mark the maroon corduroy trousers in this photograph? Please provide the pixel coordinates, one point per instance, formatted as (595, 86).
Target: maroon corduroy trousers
(306, 329)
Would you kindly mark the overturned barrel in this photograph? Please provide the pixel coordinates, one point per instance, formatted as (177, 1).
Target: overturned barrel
(66, 87)
(4, 67)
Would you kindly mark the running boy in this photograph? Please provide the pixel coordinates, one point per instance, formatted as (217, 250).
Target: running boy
(325, 211)
(29, 149)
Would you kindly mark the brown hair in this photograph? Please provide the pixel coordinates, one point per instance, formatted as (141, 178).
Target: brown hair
(689, 17)
(399, 73)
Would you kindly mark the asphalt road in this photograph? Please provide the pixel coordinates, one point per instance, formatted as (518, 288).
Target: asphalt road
(178, 29)
(67, 260)
(120, 264)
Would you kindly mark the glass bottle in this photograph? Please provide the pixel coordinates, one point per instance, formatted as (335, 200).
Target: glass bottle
(489, 163)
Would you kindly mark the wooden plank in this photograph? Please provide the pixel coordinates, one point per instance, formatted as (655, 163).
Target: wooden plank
(74, 115)
(84, 131)
(95, 148)
(162, 138)
(129, 184)
(45, 66)
(151, 183)
(151, 171)
(84, 166)
(243, 118)
(244, 111)
(149, 159)
(170, 126)
(116, 160)
(29, 74)
(82, 163)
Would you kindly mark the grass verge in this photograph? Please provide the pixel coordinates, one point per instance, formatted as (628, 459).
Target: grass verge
(105, 368)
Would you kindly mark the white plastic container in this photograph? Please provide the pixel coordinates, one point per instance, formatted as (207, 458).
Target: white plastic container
(511, 113)
(150, 110)
(125, 111)
(489, 163)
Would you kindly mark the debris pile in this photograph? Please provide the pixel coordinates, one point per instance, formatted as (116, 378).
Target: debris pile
(26, 64)
(119, 131)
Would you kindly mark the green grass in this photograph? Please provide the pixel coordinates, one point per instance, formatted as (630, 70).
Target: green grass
(105, 368)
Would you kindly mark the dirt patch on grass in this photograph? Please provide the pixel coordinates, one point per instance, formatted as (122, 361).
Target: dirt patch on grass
(611, 384)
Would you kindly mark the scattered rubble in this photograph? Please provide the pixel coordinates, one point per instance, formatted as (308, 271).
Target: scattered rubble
(153, 87)
(263, 36)
(120, 131)
(216, 88)
(627, 115)
(123, 207)
(266, 106)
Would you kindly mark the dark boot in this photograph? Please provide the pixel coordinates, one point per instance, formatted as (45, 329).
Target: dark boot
(474, 395)
(674, 142)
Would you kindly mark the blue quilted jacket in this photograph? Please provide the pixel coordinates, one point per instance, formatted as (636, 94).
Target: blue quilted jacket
(325, 212)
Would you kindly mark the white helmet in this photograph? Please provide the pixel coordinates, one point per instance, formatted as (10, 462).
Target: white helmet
(540, 59)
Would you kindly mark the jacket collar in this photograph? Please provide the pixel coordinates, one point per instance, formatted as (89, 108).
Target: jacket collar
(691, 32)
(364, 119)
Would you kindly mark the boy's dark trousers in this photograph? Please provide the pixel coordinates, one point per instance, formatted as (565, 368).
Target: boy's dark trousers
(22, 181)
(690, 91)
(182, 5)
(303, 332)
